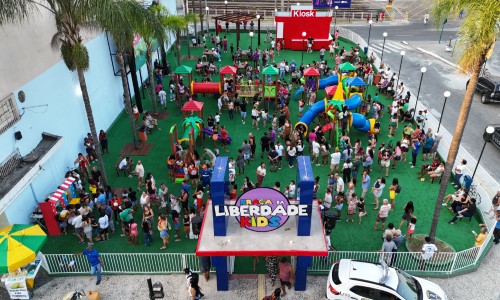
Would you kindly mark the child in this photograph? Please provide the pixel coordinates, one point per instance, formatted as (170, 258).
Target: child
(411, 227)
(174, 203)
(146, 230)
(134, 233)
(219, 105)
(186, 223)
(301, 107)
(217, 116)
(361, 209)
(351, 208)
(177, 226)
(63, 221)
(230, 109)
(286, 192)
(172, 91)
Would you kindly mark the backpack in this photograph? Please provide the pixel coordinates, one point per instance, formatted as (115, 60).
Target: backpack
(398, 189)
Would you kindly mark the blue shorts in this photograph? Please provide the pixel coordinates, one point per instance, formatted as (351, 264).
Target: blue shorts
(243, 114)
(164, 234)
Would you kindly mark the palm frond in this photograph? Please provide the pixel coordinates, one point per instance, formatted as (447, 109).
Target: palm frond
(17, 11)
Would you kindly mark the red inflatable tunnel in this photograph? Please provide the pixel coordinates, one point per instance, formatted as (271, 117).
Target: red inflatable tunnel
(206, 88)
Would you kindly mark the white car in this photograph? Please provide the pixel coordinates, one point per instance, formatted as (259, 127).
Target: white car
(353, 279)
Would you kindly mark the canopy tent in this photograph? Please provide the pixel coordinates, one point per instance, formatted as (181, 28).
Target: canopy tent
(183, 70)
(355, 81)
(228, 70)
(330, 90)
(191, 106)
(311, 72)
(19, 245)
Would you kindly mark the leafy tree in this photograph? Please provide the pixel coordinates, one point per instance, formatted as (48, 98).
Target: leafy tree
(478, 33)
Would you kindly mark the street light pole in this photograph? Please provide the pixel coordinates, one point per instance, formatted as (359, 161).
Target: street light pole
(303, 40)
(258, 30)
(489, 130)
(400, 64)
(335, 24)
(422, 70)
(251, 39)
(446, 95)
(225, 2)
(369, 30)
(206, 8)
(383, 47)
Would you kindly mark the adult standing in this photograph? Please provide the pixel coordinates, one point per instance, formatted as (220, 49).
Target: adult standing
(415, 145)
(205, 266)
(459, 171)
(346, 170)
(340, 183)
(261, 173)
(163, 229)
(386, 159)
(95, 261)
(286, 274)
(382, 214)
(394, 189)
(365, 183)
(292, 153)
(387, 248)
(428, 251)
(253, 145)
(139, 171)
(496, 232)
(272, 267)
(377, 189)
(211, 156)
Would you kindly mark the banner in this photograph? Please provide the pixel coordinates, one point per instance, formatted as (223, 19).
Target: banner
(16, 287)
(330, 4)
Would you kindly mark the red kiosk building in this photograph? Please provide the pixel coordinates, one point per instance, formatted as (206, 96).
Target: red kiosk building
(291, 25)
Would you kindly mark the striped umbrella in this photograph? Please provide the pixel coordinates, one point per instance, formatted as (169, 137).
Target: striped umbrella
(19, 245)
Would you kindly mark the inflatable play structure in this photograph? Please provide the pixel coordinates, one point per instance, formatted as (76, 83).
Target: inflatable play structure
(329, 107)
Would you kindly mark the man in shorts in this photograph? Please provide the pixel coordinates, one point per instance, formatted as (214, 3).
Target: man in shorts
(286, 274)
(386, 159)
(273, 159)
(428, 250)
(77, 223)
(382, 214)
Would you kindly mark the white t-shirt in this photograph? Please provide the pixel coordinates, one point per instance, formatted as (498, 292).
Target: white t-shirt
(340, 185)
(261, 171)
(384, 211)
(327, 203)
(428, 251)
(316, 147)
(104, 222)
(459, 169)
(123, 163)
(291, 189)
(279, 149)
(163, 95)
(291, 150)
(139, 169)
(77, 221)
(273, 43)
(335, 158)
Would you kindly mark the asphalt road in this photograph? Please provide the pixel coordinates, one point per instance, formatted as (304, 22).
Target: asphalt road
(440, 77)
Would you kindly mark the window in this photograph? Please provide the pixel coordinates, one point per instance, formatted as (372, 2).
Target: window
(9, 114)
(373, 293)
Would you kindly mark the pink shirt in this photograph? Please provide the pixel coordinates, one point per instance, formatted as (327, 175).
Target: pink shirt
(285, 269)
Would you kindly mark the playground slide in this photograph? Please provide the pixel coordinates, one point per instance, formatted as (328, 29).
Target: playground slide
(311, 113)
(323, 83)
(185, 136)
(209, 131)
(206, 88)
(360, 122)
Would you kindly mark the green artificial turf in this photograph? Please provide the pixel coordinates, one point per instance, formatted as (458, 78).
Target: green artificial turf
(345, 237)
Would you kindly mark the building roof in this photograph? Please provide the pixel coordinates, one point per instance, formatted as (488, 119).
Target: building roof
(192, 106)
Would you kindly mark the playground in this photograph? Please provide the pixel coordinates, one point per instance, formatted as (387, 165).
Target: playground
(185, 126)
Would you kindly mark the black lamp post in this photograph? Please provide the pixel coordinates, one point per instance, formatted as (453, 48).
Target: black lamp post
(446, 95)
(225, 2)
(369, 30)
(258, 30)
(383, 47)
(400, 64)
(303, 41)
(487, 131)
(422, 70)
(251, 39)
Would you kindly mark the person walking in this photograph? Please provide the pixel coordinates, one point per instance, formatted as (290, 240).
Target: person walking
(261, 173)
(286, 274)
(496, 232)
(382, 214)
(409, 208)
(95, 261)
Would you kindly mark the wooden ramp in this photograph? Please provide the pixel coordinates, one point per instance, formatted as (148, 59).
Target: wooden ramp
(261, 293)
(129, 150)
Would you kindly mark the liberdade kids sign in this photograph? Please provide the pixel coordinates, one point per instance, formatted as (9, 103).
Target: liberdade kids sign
(261, 210)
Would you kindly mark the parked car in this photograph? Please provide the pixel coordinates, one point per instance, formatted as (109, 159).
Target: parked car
(353, 279)
(488, 88)
(494, 137)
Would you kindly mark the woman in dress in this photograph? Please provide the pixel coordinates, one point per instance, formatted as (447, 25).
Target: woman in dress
(272, 267)
(351, 207)
(103, 139)
(148, 216)
(163, 229)
(192, 214)
(408, 213)
(377, 189)
(392, 192)
(405, 143)
(397, 154)
(134, 233)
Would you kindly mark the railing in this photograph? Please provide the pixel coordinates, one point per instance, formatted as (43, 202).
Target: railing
(11, 163)
(125, 263)
(445, 263)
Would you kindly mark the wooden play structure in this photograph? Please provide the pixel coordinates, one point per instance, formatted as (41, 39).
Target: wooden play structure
(181, 86)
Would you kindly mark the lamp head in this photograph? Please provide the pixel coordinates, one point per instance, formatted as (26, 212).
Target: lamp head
(403, 53)
(258, 16)
(490, 129)
(370, 22)
(225, 2)
(298, 3)
(423, 69)
(336, 7)
(304, 33)
(385, 34)
(206, 8)
(251, 33)
(447, 94)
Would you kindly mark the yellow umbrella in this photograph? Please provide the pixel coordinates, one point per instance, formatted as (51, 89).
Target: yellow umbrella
(19, 245)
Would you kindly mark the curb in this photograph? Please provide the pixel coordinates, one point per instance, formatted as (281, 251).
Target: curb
(437, 57)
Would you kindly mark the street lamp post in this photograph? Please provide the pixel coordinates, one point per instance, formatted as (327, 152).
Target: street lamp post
(225, 11)
(369, 30)
(400, 64)
(489, 130)
(258, 30)
(207, 9)
(422, 70)
(383, 47)
(335, 22)
(303, 41)
(446, 95)
(251, 39)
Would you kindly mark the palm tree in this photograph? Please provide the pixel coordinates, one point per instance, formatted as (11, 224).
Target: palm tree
(175, 24)
(71, 17)
(478, 32)
(190, 17)
(122, 28)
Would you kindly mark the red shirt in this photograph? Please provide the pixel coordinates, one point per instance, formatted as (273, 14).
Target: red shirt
(115, 204)
(223, 133)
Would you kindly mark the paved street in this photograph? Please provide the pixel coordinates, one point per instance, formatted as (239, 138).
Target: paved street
(439, 77)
